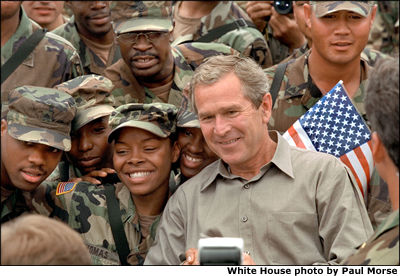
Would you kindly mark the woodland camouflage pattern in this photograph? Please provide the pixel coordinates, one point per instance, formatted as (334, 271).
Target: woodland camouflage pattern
(298, 93)
(91, 62)
(322, 8)
(85, 210)
(132, 16)
(157, 118)
(53, 61)
(186, 56)
(247, 40)
(382, 248)
(384, 35)
(92, 94)
(41, 115)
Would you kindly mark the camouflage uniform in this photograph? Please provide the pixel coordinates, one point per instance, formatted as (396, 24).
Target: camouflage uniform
(384, 35)
(38, 115)
(186, 57)
(84, 206)
(382, 248)
(247, 40)
(53, 61)
(91, 63)
(153, 16)
(92, 94)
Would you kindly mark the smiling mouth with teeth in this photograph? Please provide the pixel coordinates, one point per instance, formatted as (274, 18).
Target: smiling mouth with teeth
(197, 160)
(230, 141)
(139, 174)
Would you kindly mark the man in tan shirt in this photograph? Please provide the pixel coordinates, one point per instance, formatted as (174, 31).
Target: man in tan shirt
(290, 206)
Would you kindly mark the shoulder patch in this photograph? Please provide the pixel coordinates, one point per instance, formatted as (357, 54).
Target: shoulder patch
(65, 187)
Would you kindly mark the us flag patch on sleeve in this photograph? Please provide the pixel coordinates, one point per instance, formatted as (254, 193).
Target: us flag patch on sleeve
(65, 187)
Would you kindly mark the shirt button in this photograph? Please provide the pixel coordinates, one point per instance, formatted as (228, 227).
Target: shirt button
(246, 186)
(244, 219)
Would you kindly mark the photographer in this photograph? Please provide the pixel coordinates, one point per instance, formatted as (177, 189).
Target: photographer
(275, 20)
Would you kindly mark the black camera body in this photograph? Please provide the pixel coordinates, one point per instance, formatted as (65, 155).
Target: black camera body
(221, 251)
(283, 7)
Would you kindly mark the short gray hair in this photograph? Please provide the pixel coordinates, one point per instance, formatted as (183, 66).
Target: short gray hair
(382, 104)
(252, 78)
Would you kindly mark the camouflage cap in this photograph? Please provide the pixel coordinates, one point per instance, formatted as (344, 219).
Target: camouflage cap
(41, 115)
(322, 8)
(92, 94)
(187, 119)
(133, 16)
(157, 118)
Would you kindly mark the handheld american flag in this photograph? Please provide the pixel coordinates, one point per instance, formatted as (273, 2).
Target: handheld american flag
(334, 126)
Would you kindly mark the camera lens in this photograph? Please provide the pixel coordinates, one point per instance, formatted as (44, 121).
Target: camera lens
(283, 7)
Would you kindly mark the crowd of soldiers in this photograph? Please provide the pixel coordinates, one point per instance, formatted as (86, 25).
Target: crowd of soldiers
(135, 128)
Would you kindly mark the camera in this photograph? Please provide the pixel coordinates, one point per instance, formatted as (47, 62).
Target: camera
(283, 7)
(221, 251)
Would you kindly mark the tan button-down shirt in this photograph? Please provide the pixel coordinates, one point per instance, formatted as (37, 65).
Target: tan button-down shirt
(302, 208)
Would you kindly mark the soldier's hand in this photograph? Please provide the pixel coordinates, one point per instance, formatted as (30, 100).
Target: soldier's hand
(259, 11)
(285, 29)
(191, 257)
(91, 177)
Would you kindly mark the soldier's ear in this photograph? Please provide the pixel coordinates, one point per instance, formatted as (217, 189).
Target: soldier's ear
(307, 14)
(3, 127)
(373, 13)
(175, 152)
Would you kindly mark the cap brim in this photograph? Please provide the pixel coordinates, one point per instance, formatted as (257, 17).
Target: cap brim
(144, 24)
(150, 127)
(194, 123)
(38, 135)
(84, 117)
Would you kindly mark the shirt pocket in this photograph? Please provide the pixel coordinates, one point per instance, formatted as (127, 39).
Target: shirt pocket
(293, 238)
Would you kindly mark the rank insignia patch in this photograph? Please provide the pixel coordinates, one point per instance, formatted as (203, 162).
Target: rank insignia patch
(65, 187)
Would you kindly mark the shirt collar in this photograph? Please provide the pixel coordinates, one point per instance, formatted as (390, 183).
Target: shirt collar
(281, 159)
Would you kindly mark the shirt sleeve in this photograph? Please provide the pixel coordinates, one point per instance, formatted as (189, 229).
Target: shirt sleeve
(170, 240)
(343, 218)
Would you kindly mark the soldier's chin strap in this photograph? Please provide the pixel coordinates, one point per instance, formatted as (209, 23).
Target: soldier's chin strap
(117, 228)
(21, 54)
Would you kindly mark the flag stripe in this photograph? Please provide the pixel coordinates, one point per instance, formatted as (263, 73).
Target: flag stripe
(303, 136)
(289, 138)
(346, 161)
(364, 163)
(367, 150)
(355, 162)
(295, 137)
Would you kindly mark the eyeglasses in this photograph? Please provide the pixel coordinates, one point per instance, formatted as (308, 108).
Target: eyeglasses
(133, 37)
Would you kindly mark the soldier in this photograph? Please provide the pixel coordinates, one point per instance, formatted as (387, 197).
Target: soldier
(37, 240)
(48, 14)
(90, 155)
(150, 70)
(33, 137)
(370, 55)
(384, 35)
(318, 210)
(383, 247)
(195, 154)
(53, 61)
(90, 31)
(281, 31)
(337, 50)
(145, 147)
(206, 21)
